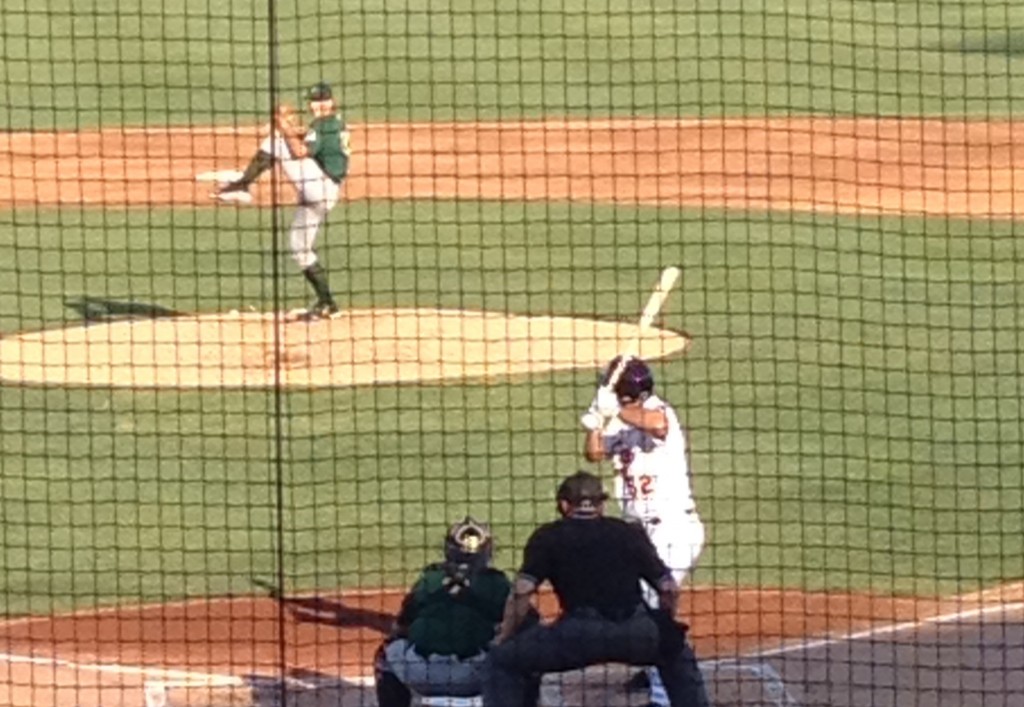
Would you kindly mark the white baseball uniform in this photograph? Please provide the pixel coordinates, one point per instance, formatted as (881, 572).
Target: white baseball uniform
(317, 195)
(653, 486)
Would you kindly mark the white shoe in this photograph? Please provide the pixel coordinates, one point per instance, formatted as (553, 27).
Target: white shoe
(233, 195)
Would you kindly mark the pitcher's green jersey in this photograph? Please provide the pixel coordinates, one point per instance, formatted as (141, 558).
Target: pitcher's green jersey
(328, 143)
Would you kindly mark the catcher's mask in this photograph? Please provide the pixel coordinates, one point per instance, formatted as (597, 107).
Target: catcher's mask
(469, 543)
(583, 494)
(635, 383)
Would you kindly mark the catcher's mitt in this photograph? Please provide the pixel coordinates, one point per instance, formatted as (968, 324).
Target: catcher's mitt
(288, 120)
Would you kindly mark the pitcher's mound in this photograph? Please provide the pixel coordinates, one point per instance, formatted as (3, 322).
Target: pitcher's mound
(360, 347)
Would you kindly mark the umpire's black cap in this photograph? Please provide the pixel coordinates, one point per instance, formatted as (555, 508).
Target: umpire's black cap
(581, 489)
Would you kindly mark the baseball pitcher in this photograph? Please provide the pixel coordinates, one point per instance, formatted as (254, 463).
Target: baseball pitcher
(315, 160)
(641, 435)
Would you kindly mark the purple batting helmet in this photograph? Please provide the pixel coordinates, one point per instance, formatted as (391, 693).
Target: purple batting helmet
(636, 381)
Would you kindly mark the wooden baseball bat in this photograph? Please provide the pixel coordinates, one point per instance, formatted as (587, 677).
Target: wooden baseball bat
(668, 279)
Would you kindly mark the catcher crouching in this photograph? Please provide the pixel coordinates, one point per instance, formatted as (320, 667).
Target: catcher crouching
(447, 621)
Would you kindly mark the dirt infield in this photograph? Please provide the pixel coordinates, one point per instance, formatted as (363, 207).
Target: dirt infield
(106, 656)
(225, 650)
(927, 166)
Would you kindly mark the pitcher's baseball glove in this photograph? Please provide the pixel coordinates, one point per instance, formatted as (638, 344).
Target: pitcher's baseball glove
(288, 120)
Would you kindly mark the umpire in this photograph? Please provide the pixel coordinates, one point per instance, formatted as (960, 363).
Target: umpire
(594, 565)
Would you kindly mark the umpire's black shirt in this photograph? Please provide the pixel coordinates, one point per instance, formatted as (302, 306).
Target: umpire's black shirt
(593, 562)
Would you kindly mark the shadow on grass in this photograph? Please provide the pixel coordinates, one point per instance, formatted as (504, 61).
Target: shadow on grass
(97, 309)
(1008, 43)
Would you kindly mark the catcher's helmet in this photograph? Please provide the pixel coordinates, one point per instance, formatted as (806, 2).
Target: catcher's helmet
(469, 543)
(636, 381)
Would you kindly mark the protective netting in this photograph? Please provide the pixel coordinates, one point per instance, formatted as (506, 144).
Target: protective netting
(255, 360)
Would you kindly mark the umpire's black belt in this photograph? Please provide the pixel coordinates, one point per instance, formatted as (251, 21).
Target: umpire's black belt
(615, 614)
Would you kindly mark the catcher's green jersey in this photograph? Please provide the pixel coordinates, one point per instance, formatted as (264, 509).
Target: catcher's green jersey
(327, 141)
(454, 620)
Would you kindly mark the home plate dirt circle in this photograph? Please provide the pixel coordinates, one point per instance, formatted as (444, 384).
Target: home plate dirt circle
(252, 349)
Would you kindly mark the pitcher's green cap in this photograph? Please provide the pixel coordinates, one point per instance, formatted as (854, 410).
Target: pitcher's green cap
(320, 92)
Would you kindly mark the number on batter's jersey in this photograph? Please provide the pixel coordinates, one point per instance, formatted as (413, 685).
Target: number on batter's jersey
(642, 485)
(654, 472)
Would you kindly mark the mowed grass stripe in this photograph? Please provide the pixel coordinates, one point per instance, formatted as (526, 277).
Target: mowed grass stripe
(113, 62)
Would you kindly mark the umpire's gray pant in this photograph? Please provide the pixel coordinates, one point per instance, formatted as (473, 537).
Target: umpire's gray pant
(435, 675)
(513, 669)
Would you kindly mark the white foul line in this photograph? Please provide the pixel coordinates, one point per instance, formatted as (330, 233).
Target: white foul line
(118, 669)
(887, 630)
(168, 677)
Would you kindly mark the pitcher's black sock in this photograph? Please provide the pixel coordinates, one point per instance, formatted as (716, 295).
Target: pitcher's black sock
(260, 163)
(317, 279)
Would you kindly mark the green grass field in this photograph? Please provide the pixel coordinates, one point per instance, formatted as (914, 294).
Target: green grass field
(72, 63)
(853, 393)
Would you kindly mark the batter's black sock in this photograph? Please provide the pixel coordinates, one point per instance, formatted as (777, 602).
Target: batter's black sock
(317, 279)
(260, 163)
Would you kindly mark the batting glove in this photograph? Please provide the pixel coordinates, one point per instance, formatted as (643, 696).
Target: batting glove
(592, 421)
(607, 403)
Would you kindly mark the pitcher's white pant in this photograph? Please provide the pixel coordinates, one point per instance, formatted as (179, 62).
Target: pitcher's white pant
(317, 194)
(679, 543)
